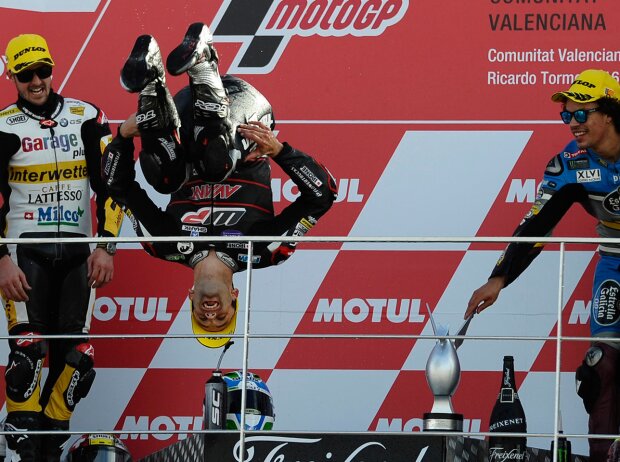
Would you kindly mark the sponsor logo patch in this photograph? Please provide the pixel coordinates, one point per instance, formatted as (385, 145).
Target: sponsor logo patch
(605, 303)
(78, 110)
(611, 203)
(588, 176)
(18, 119)
(49, 173)
(576, 164)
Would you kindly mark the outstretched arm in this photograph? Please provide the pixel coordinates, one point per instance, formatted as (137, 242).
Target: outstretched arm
(485, 296)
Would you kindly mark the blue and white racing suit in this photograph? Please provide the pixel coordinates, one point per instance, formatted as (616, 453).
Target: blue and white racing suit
(582, 176)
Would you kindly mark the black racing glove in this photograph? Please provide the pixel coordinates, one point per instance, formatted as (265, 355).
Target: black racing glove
(117, 168)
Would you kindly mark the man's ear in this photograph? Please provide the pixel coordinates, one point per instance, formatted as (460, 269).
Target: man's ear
(190, 292)
(235, 293)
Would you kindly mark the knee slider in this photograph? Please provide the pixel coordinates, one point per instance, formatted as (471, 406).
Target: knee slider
(587, 380)
(81, 359)
(23, 370)
(163, 163)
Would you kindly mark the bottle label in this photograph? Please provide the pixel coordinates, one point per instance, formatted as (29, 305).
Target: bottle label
(507, 395)
(500, 454)
(507, 381)
(502, 424)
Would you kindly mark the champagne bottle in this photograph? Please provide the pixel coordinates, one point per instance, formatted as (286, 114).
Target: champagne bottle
(507, 417)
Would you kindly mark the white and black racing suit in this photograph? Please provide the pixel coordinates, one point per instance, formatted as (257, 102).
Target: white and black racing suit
(50, 159)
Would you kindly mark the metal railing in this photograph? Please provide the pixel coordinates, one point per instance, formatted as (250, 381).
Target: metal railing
(247, 335)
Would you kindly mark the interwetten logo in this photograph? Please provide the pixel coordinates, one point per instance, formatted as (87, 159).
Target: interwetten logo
(49, 173)
(264, 27)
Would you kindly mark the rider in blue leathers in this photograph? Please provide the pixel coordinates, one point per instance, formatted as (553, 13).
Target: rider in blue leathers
(587, 172)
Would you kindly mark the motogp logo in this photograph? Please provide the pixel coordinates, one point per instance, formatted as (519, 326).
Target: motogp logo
(265, 26)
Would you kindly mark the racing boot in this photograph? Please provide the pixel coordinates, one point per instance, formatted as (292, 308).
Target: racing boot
(197, 56)
(144, 72)
(23, 447)
(52, 445)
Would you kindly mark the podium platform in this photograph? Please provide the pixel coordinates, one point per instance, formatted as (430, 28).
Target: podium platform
(223, 446)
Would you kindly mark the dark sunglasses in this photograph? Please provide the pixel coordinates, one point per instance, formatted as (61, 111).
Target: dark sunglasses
(42, 72)
(580, 115)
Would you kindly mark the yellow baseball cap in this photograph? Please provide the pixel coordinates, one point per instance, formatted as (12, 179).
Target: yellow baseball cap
(26, 50)
(590, 85)
(214, 342)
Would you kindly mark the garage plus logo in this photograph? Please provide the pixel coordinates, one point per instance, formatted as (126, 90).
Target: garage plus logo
(264, 27)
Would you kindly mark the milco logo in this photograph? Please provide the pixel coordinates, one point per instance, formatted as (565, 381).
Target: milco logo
(59, 216)
(266, 27)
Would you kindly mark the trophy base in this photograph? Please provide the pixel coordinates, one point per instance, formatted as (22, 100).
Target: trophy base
(443, 421)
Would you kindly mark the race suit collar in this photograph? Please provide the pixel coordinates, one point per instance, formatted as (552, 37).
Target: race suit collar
(223, 257)
(49, 110)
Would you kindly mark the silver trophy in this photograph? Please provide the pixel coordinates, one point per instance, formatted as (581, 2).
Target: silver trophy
(443, 373)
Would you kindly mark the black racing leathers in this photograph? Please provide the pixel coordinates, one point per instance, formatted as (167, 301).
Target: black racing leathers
(242, 205)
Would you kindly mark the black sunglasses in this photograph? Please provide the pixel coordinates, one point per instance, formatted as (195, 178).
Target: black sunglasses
(580, 115)
(42, 72)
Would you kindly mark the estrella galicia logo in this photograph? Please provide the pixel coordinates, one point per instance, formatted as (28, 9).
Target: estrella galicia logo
(606, 303)
(264, 27)
(611, 203)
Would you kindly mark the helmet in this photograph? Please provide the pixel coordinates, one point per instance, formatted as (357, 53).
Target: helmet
(613, 455)
(98, 447)
(259, 411)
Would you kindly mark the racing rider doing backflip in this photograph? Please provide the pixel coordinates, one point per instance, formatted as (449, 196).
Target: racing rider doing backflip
(50, 157)
(211, 152)
(585, 172)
